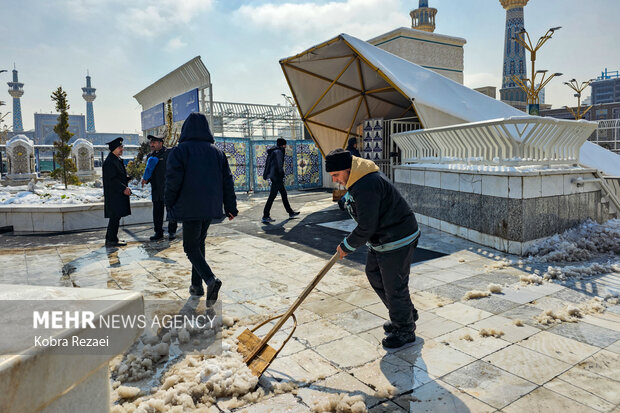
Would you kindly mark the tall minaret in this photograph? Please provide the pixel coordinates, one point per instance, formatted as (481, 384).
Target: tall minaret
(89, 96)
(423, 18)
(16, 90)
(514, 55)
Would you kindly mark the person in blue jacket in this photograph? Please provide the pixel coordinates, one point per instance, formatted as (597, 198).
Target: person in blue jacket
(198, 184)
(155, 174)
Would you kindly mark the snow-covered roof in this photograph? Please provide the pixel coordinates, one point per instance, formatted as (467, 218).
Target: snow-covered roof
(339, 83)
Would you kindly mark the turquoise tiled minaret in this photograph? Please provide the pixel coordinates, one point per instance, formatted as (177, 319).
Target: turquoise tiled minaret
(89, 96)
(514, 54)
(16, 90)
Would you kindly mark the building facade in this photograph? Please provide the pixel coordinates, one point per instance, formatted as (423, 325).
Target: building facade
(606, 88)
(418, 44)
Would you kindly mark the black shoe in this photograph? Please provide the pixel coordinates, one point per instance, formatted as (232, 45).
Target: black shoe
(267, 220)
(398, 339)
(115, 243)
(293, 214)
(388, 327)
(157, 236)
(196, 291)
(172, 236)
(213, 290)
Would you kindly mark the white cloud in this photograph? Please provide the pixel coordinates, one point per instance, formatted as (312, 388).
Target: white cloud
(150, 18)
(360, 18)
(175, 43)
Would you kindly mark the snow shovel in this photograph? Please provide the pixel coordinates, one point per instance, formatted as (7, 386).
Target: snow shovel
(257, 354)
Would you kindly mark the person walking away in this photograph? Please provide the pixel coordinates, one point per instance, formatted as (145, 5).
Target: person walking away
(198, 183)
(274, 171)
(155, 174)
(116, 192)
(387, 225)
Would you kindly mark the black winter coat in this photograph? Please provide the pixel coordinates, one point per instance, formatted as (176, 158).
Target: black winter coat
(353, 151)
(198, 178)
(276, 166)
(158, 178)
(381, 213)
(115, 180)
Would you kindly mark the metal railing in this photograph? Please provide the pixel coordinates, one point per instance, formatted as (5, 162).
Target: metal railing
(608, 134)
(513, 141)
(392, 153)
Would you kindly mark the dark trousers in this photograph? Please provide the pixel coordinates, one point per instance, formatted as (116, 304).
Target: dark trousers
(111, 234)
(277, 186)
(388, 274)
(194, 236)
(158, 219)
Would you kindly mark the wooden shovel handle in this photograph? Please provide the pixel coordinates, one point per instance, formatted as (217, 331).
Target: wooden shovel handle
(294, 307)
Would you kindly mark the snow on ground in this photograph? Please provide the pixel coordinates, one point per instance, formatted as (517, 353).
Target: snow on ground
(596, 246)
(50, 192)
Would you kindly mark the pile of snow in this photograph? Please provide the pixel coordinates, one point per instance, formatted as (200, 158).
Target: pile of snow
(51, 192)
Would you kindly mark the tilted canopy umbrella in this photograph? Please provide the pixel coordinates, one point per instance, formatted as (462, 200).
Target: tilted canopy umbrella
(343, 81)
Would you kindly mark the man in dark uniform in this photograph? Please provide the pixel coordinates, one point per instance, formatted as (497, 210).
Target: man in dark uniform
(155, 173)
(274, 171)
(116, 192)
(387, 225)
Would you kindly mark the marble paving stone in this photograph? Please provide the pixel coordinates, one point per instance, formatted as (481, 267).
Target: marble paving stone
(601, 386)
(378, 309)
(462, 313)
(423, 282)
(549, 303)
(357, 321)
(587, 333)
(424, 300)
(391, 371)
(448, 261)
(493, 304)
(319, 332)
(526, 314)
(436, 327)
(374, 337)
(578, 394)
(450, 291)
(328, 306)
(499, 277)
(490, 384)
(545, 400)
(605, 363)
(512, 333)
(524, 294)
(478, 347)
(607, 320)
(387, 407)
(435, 358)
(561, 348)
(448, 275)
(349, 351)
(280, 403)
(572, 296)
(338, 383)
(528, 364)
(473, 283)
(614, 348)
(305, 365)
(440, 397)
(360, 298)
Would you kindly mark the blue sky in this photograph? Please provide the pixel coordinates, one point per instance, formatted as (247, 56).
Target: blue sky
(128, 44)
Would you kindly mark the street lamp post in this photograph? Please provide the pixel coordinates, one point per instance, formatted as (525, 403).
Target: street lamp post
(573, 84)
(523, 38)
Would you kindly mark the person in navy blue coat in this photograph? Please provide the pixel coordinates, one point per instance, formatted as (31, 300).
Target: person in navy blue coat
(198, 184)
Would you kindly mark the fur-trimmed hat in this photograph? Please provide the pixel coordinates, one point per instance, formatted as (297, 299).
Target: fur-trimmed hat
(338, 160)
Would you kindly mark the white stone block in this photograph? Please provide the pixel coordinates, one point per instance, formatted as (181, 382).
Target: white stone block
(47, 221)
(499, 243)
(474, 236)
(87, 219)
(552, 185)
(494, 185)
(514, 247)
(532, 187)
(449, 228)
(3, 222)
(21, 221)
(402, 175)
(417, 177)
(449, 180)
(432, 179)
(515, 187)
(422, 219)
(470, 183)
(434, 223)
(462, 232)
